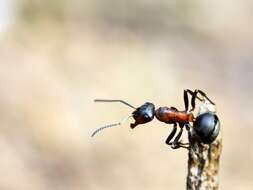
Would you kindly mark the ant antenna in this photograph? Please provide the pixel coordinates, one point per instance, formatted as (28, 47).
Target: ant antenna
(111, 125)
(121, 101)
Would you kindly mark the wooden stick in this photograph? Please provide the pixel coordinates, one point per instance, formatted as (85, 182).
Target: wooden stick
(203, 164)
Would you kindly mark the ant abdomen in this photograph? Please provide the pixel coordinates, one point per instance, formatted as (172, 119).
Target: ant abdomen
(207, 127)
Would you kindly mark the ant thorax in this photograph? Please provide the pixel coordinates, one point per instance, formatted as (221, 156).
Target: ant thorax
(206, 106)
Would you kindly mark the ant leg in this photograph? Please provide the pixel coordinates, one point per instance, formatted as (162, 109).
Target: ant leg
(204, 95)
(172, 134)
(179, 145)
(186, 101)
(194, 96)
(193, 101)
(183, 145)
(176, 144)
(187, 126)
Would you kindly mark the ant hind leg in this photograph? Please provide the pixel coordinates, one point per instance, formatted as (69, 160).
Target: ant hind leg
(195, 95)
(186, 100)
(205, 96)
(193, 99)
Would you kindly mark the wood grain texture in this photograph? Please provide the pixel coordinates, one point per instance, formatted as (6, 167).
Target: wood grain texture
(203, 164)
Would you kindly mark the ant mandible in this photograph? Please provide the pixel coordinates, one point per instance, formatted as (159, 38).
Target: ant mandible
(206, 125)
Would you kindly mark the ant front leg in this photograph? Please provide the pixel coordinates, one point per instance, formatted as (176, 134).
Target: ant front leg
(187, 126)
(172, 134)
(181, 145)
(176, 143)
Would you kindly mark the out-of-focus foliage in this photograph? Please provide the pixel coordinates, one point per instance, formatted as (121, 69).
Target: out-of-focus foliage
(57, 56)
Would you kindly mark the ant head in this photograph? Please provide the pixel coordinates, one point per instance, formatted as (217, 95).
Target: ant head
(143, 114)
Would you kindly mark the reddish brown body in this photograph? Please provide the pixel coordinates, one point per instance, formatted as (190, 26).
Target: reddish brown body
(206, 125)
(172, 115)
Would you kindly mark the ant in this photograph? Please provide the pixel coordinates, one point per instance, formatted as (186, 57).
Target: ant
(206, 125)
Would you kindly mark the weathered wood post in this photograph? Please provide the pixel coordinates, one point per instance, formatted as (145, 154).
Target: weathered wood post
(203, 164)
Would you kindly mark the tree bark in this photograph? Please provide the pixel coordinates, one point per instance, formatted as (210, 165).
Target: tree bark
(203, 164)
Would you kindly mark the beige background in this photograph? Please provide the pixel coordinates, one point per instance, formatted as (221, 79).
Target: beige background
(57, 56)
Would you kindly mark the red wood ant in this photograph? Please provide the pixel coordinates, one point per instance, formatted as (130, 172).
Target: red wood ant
(206, 125)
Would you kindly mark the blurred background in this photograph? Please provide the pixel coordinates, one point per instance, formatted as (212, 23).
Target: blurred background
(58, 55)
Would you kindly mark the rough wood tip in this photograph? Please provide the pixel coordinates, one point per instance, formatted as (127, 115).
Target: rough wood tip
(203, 164)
